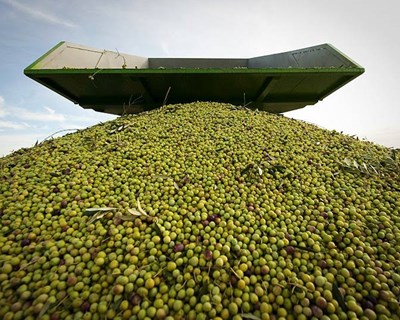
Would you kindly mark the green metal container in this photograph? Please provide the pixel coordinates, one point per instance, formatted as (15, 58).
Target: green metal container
(112, 82)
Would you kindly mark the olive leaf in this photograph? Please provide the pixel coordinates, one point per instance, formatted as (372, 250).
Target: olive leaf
(235, 273)
(55, 174)
(44, 309)
(203, 289)
(246, 169)
(249, 168)
(373, 168)
(347, 162)
(96, 216)
(249, 316)
(140, 208)
(134, 212)
(98, 213)
(338, 297)
(161, 176)
(158, 228)
(304, 248)
(127, 217)
(93, 210)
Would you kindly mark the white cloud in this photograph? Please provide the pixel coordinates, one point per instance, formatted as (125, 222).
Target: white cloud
(165, 48)
(39, 14)
(13, 125)
(90, 117)
(49, 115)
(388, 136)
(6, 112)
(3, 111)
(50, 110)
(13, 142)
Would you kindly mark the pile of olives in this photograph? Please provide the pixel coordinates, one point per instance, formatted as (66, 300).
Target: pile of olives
(200, 211)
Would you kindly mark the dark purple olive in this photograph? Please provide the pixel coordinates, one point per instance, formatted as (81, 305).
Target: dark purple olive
(55, 316)
(372, 299)
(66, 171)
(179, 247)
(64, 203)
(317, 311)
(366, 304)
(207, 255)
(136, 299)
(290, 249)
(85, 306)
(25, 242)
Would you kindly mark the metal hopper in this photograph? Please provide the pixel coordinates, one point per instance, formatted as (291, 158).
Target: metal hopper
(117, 83)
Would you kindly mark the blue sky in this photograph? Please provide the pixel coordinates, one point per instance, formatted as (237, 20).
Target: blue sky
(365, 30)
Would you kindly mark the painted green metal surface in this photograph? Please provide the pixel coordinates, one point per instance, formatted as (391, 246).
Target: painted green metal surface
(130, 84)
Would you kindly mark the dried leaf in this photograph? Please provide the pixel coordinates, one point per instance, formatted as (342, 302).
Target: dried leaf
(347, 162)
(134, 212)
(176, 186)
(355, 164)
(127, 218)
(373, 168)
(268, 156)
(260, 172)
(100, 209)
(93, 210)
(140, 208)
(235, 273)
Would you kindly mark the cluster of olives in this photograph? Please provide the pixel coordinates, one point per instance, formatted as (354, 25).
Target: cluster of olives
(200, 211)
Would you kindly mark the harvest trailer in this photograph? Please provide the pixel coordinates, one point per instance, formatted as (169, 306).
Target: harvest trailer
(117, 83)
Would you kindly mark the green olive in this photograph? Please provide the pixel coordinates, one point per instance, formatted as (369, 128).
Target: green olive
(201, 210)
